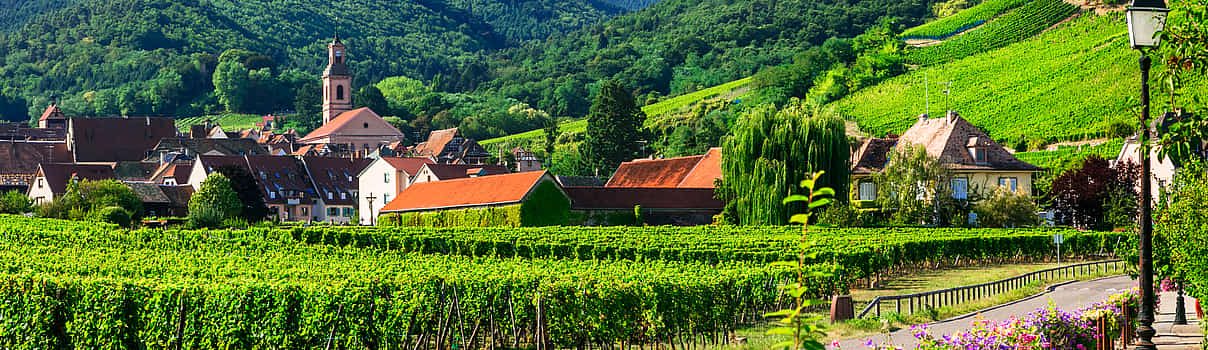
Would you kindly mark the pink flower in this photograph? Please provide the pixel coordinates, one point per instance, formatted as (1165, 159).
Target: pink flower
(835, 343)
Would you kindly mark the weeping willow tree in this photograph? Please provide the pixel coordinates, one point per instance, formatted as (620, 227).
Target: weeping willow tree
(771, 151)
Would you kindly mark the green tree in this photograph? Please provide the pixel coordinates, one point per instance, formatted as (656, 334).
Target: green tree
(771, 151)
(247, 188)
(214, 202)
(914, 184)
(551, 138)
(230, 85)
(96, 195)
(614, 127)
(370, 96)
(1006, 209)
(15, 202)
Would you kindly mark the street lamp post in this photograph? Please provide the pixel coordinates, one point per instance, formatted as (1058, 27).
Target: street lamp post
(1146, 18)
(370, 199)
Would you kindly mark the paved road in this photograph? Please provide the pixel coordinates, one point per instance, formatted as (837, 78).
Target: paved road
(1070, 296)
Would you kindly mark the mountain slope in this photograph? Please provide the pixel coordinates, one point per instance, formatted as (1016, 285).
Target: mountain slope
(678, 46)
(1068, 83)
(97, 44)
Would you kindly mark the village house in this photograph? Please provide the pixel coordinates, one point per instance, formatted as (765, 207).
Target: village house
(191, 147)
(671, 191)
(978, 162)
(441, 172)
(383, 179)
(447, 146)
(681, 172)
(116, 139)
(172, 171)
(525, 160)
(162, 200)
(52, 179)
(469, 193)
(1162, 169)
(295, 188)
(336, 186)
(52, 118)
(19, 161)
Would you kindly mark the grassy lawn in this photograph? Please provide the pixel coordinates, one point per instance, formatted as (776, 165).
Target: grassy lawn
(920, 282)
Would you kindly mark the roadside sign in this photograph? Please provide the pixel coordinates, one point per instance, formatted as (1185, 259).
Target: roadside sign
(1058, 239)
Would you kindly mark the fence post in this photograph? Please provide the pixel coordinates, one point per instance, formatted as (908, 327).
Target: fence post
(899, 306)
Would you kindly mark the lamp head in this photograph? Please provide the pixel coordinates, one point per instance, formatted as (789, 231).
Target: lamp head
(1146, 19)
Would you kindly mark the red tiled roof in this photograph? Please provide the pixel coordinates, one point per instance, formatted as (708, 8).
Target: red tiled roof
(458, 171)
(872, 155)
(647, 197)
(58, 175)
(178, 171)
(653, 173)
(470, 192)
(52, 112)
(435, 145)
(947, 138)
(705, 171)
(343, 119)
(410, 165)
(21, 159)
(117, 139)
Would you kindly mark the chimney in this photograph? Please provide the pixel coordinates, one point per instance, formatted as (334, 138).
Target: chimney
(952, 117)
(923, 118)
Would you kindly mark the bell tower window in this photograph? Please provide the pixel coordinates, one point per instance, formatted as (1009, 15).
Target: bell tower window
(339, 92)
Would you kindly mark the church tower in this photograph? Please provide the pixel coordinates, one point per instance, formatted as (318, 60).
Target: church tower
(337, 82)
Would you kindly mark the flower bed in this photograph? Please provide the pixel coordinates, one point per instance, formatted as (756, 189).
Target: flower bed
(1046, 328)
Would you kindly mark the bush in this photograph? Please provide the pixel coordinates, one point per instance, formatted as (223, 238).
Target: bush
(114, 215)
(547, 206)
(86, 199)
(14, 202)
(840, 215)
(1006, 209)
(508, 216)
(215, 202)
(1119, 130)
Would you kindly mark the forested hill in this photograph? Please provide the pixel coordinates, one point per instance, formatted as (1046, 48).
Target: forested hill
(94, 45)
(15, 13)
(678, 46)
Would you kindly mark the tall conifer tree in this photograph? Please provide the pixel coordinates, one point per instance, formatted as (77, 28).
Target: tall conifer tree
(614, 127)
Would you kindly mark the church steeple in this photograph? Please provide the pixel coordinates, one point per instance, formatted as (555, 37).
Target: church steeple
(337, 82)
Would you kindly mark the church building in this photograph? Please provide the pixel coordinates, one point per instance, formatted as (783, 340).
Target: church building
(359, 131)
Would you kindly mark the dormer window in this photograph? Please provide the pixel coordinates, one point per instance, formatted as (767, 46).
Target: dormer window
(978, 154)
(343, 195)
(977, 149)
(329, 195)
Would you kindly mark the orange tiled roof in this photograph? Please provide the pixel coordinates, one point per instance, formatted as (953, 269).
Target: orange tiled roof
(344, 118)
(470, 192)
(653, 172)
(705, 171)
(52, 112)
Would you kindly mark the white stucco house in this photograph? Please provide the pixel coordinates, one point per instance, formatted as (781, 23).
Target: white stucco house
(383, 179)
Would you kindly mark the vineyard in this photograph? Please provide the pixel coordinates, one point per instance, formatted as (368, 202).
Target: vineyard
(229, 122)
(654, 114)
(1058, 159)
(1067, 84)
(1022, 23)
(85, 285)
(962, 21)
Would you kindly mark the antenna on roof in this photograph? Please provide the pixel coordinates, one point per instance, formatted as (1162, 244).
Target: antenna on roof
(54, 99)
(926, 94)
(947, 97)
